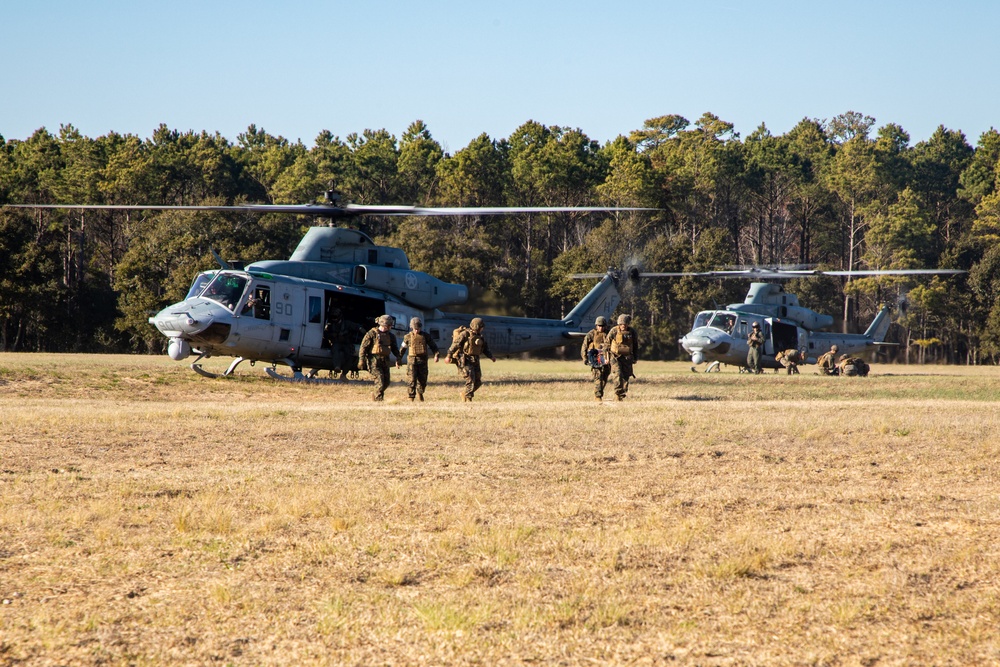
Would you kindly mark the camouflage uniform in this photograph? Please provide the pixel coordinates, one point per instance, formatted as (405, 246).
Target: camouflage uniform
(416, 345)
(827, 362)
(852, 366)
(594, 344)
(790, 359)
(755, 341)
(376, 347)
(467, 349)
(340, 335)
(623, 344)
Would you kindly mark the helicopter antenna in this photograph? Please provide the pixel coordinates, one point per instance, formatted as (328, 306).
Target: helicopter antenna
(223, 263)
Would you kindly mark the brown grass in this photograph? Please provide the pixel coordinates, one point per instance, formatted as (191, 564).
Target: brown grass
(148, 515)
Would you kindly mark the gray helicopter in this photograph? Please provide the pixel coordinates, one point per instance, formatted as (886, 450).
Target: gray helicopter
(720, 336)
(275, 311)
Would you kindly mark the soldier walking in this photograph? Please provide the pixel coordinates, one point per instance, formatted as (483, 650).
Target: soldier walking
(416, 345)
(340, 335)
(755, 341)
(623, 344)
(376, 347)
(466, 350)
(596, 355)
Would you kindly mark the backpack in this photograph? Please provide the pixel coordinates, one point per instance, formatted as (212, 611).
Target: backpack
(456, 337)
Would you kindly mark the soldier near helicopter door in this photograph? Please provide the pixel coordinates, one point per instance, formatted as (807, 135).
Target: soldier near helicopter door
(755, 343)
(790, 359)
(376, 347)
(467, 350)
(340, 335)
(416, 346)
(622, 344)
(595, 354)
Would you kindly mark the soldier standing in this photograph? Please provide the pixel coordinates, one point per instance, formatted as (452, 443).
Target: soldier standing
(827, 362)
(415, 346)
(623, 343)
(340, 335)
(467, 349)
(376, 347)
(755, 341)
(595, 354)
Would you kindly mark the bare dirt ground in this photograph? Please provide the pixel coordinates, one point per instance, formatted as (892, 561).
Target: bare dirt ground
(150, 516)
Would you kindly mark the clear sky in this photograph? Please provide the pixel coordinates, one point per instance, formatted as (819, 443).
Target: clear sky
(297, 67)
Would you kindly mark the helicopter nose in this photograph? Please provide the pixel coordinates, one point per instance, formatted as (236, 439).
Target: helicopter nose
(186, 319)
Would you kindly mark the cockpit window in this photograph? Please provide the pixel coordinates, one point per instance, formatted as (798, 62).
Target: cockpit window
(702, 318)
(723, 321)
(199, 283)
(227, 289)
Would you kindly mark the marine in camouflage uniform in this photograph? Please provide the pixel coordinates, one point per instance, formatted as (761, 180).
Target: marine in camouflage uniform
(790, 359)
(623, 344)
(376, 347)
(852, 366)
(596, 355)
(755, 341)
(340, 335)
(467, 350)
(828, 362)
(416, 345)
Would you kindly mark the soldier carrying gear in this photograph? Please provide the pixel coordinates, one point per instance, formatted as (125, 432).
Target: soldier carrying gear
(596, 354)
(852, 366)
(755, 343)
(790, 359)
(415, 345)
(827, 362)
(623, 344)
(376, 347)
(471, 345)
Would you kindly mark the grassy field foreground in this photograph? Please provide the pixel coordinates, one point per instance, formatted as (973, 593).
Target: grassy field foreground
(148, 515)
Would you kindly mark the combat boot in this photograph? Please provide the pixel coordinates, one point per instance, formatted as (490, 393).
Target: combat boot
(421, 397)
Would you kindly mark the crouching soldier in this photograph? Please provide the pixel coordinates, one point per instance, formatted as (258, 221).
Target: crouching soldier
(468, 348)
(791, 359)
(595, 354)
(828, 362)
(376, 347)
(852, 366)
(416, 345)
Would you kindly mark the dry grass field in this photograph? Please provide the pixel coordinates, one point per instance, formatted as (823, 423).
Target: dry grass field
(152, 516)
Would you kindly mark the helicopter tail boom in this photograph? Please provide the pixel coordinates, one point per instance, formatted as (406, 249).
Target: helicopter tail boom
(879, 327)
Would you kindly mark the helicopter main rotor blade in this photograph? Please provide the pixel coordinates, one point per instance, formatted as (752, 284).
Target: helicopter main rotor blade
(777, 274)
(347, 210)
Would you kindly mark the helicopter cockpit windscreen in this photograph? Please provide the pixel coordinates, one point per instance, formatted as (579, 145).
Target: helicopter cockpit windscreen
(715, 319)
(227, 289)
(198, 285)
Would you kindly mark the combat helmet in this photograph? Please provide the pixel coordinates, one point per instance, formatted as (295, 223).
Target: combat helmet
(834, 348)
(385, 321)
(477, 324)
(415, 323)
(601, 321)
(624, 319)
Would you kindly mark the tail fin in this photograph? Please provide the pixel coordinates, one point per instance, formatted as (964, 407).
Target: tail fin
(602, 300)
(879, 326)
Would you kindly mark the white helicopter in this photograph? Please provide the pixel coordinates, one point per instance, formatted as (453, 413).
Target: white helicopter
(275, 311)
(720, 336)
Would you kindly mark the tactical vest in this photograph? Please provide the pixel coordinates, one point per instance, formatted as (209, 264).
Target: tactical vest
(598, 341)
(474, 344)
(381, 347)
(418, 344)
(622, 343)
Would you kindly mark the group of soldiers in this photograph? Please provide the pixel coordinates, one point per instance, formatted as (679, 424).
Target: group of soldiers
(828, 363)
(468, 347)
(610, 353)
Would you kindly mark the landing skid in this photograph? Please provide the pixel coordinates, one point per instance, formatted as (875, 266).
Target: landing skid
(196, 367)
(297, 375)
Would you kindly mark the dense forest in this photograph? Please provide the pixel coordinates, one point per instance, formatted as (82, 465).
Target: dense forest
(837, 194)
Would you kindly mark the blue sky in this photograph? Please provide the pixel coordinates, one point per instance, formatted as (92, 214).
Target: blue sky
(301, 66)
